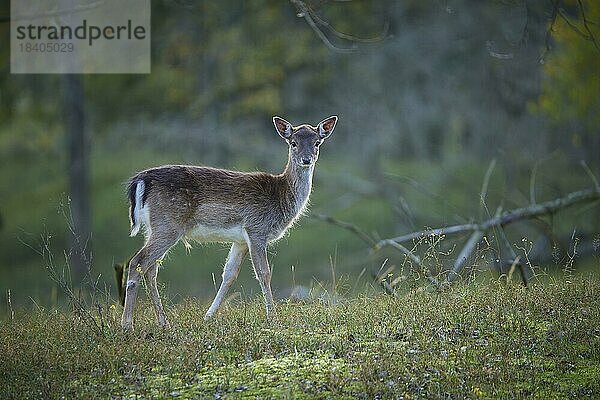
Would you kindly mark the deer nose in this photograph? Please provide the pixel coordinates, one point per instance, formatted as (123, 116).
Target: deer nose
(306, 160)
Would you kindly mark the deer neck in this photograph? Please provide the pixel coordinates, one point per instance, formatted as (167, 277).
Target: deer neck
(299, 180)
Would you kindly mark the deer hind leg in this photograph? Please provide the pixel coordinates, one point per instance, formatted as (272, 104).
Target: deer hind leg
(146, 259)
(260, 263)
(230, 272)
(161, 317)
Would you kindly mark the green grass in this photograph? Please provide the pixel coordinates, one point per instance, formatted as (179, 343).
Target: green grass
(474, 341)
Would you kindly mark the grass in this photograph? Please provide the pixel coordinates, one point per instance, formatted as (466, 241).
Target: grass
(475, 341)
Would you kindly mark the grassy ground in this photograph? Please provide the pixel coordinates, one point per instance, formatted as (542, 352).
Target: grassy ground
(475, 341)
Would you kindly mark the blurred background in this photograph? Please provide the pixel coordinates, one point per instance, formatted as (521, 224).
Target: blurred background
(431, 96)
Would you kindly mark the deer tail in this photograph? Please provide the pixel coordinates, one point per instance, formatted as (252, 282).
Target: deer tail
(135, 192)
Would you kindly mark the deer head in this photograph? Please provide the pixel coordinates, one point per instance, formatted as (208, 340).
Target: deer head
(304, 140)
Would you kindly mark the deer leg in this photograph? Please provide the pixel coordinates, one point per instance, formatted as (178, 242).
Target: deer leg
(153, 251)
(161, 317)
(131, 288)
(230, 272)
(258, 254)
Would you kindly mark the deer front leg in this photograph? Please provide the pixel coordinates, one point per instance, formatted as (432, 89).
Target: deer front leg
(230, 272)
(258, 254)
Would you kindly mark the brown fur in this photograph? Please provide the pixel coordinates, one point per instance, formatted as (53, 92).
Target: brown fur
(191, 195)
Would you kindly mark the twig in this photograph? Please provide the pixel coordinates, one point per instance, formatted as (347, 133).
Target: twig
(571, 257)
(513, 255)
(532, 180)
(349, 37)
(464, 255)
(346, 225)
(381, 278)
(525, 31)
(415, 259)
(591, 36)
(485, 185)
(10, 307)
(511, 270)
(591, 175)
(575, 28)
(549, 31)
(467, 250)
(306, 13)
(437, 231)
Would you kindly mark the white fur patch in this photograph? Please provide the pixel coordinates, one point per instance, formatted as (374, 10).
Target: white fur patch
(145, 219)
(139, 194)
(204, 233)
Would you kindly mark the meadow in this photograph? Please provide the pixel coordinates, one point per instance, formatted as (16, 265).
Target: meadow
(477, 340)
(448, 114)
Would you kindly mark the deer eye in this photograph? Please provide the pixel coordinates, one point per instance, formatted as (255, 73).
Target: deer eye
(293, 144)
(317, 144)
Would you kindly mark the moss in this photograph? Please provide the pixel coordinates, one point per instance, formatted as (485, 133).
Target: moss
(298, 375)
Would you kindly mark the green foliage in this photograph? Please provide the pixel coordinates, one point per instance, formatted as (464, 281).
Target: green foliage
(572, 73)
(476, 341)
(229, 61)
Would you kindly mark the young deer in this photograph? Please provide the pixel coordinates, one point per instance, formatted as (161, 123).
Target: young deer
(248, 209)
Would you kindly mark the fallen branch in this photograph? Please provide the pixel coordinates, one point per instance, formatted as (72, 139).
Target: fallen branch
(499, 220)
(508, 217)
(478, 230)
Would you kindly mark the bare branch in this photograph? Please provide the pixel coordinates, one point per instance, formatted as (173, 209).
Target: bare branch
(346, 225)
(485, 185)
(466, 251)
(508, 217)
(313, 19)
(431, 232)
(464, 255)
(525, 31)
(565, 18)
(346, 36)
(532, 181)
(591, 175)
(591, 36)
(549, 31)
(546, 208)
(306, 13)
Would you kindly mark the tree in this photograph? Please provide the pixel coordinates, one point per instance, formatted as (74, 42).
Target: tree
(78, 170)
(572, 76)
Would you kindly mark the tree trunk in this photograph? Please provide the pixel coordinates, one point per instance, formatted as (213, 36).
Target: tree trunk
(78, 169)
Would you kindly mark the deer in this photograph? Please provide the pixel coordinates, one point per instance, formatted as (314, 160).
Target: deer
(250, 210)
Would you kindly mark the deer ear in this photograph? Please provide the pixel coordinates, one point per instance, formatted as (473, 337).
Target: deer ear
(283, 127)
(327, 126)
